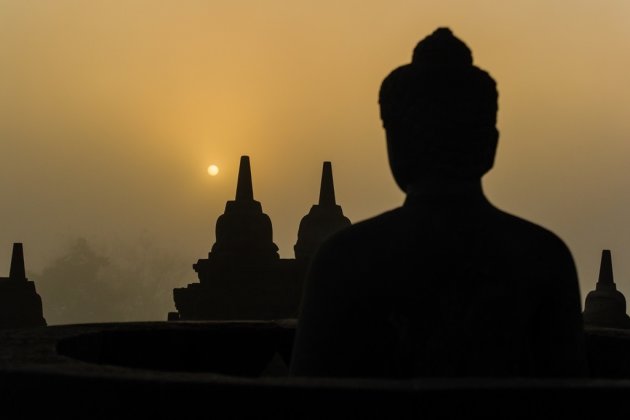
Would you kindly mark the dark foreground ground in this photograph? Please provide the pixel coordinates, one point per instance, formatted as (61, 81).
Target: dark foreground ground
(238, 370)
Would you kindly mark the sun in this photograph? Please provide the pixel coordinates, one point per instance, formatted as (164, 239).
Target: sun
(213, 170)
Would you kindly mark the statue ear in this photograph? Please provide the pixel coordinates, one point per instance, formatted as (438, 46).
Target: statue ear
(493, 142)
(397, 163)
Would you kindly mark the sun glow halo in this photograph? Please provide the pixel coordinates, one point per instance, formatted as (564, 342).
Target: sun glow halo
(213, 170)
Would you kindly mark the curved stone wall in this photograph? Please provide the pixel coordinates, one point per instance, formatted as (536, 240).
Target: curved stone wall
(237, 369)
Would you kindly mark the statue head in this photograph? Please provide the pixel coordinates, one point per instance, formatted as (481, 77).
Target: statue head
(439, 114)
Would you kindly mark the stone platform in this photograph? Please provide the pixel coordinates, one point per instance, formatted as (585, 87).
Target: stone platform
(238, 370)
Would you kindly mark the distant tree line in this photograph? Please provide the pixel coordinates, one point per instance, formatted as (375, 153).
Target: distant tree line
(134, 283)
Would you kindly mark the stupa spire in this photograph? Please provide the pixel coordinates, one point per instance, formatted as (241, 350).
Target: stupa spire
(606, 279)
(327, 189)
(17, 271)
(244, 189)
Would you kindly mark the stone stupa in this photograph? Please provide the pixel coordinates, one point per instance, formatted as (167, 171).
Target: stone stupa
(606, 306)
(20, 305)
(324, 218)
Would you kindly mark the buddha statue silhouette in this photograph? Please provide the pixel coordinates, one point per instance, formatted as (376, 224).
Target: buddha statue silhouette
(447, 284)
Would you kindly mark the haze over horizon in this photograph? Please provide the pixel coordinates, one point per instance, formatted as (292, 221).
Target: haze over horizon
(111, 113)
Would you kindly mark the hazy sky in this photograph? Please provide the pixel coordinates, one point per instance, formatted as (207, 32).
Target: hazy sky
(111, 112)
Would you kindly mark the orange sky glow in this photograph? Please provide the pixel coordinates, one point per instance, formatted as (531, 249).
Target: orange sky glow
(112, 111)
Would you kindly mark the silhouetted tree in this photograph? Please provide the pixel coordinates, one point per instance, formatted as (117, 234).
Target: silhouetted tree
(132, 282)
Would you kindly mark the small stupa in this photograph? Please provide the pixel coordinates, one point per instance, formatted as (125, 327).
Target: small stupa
(324, 218)
(20, 305)
(244, 231)
(606, 306)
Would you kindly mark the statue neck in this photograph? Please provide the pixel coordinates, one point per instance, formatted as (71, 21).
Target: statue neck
(447, 190)
(442, 186)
